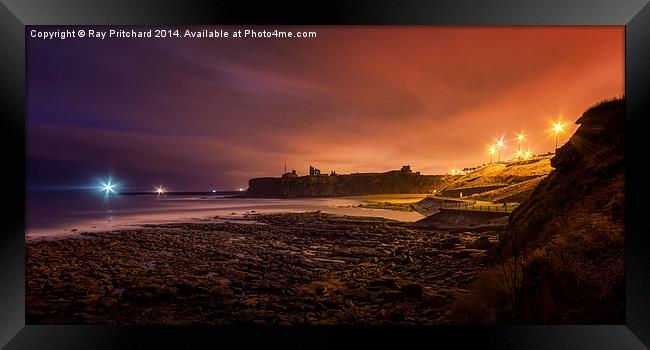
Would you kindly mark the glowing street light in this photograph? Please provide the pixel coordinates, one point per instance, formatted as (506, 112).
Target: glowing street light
(527, 154)
(520, 138)
(519, 153)
(558, 128)
(492, 150)
(500, 144)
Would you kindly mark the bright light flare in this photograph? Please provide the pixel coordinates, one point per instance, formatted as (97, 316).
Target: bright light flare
(492, 149)
(528, 154)
(500, 142)
(558, 127)
(160, 190)
(519, 154)
(108, 187)
(521, 137)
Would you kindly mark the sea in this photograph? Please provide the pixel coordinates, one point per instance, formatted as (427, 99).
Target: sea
(67, 213)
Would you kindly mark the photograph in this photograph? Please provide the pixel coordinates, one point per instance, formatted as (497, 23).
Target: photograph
(325, 175)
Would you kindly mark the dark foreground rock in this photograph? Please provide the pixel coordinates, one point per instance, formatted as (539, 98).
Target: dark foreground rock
(308, 268)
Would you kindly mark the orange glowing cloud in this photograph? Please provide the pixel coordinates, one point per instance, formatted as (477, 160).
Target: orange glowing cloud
(353, 99)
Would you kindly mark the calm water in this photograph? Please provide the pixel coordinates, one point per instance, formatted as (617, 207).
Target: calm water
(66, 213)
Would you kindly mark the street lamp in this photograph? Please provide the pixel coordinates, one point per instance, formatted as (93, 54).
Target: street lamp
(519, 153)
(527, 154)
(492, 151)
(520, 138)
(500, 144)
(558, 128)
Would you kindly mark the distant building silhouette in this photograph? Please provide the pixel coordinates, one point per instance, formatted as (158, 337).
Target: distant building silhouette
(317, 184)
(313, 171)
(292, 175)
(406, 169)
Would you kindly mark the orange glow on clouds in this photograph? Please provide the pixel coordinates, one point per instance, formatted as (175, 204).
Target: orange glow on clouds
(356, 99)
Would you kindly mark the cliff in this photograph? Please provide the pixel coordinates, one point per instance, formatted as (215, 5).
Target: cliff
(586, 187)
(562, 257)
(397, 181)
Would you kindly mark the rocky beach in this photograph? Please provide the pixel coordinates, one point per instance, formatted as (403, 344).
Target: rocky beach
(286, 269)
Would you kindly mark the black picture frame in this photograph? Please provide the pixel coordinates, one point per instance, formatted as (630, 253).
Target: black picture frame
(16, 14)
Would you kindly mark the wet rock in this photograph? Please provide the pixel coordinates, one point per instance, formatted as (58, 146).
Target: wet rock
(395, 315)
(432, 297)
(107, 304)
(137, 294)
(320, 290)
(356, 293)
(384, 282)
(412, 290)
(303, 268)
(392, 295)
(84, 302)
(450, 243)
(481, 243)
(168, 292)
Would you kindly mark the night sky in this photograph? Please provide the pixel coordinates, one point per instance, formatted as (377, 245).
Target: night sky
(201, 114)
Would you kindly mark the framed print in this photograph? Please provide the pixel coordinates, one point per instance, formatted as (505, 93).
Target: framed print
(362, 173)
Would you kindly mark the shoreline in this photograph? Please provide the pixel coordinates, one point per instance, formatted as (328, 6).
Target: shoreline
(294, 268)
(199, 210)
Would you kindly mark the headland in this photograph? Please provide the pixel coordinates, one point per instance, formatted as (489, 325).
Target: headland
(290, 185)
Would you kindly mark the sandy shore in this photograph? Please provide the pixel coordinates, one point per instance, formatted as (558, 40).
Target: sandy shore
(395, 202)
(296, 268)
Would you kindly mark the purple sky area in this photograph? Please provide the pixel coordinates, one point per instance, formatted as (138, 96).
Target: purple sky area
(198, 114)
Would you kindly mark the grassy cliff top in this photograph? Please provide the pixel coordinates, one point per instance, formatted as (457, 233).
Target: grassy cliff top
(503, 174)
